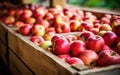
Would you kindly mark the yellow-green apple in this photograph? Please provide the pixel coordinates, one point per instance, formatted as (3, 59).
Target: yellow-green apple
(25, 29)
(38, 40)
(38, 30)
(46, 45)
(110, 38)
(60, 46)
(64, 57)
(95, 43)
(108, 57)
(74, 24)
(84, 35)
(89, 57)
(74, 60)
(77, 47)
(62, 28)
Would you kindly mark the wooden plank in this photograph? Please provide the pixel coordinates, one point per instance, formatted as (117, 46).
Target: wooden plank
(4, 52)
(57, 2)
(109, 70)
(39, 60)
(18, 67)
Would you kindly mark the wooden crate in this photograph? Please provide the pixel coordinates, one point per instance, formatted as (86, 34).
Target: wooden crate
(40, 61)
(3, 44)
(17, 66)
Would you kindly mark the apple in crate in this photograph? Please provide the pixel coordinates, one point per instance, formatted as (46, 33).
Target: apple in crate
(95, 43)
(77, 47)
(60, 46)
(116, 29)
(38, 40)
(26, 14)
(89, 57)
(25, 29)
(74, 60)
(110, 38)
(64, 57)
(108, 57)
(74, 24)
(38, 30)
(46, 45)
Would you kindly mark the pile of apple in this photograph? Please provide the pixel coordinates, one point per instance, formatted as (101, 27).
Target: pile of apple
(97, 44)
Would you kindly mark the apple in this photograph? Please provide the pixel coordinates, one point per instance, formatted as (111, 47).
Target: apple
(97, 25)
(39, 19)
(89, 57)
(9, 20)
(116, 30)
(49, 16)
(95, 43)
(18, 24)
(50, 29)
(38, 40)
(38, 30)
(62, 28)
(110, 38)
(109, 16)
(101, 32)
(30, 20)
(76, 17)
(105, 20)
(85, 35)
(46, 45)
(25, 29)
(106, 27)
(60, 46)
(55, 37)
(74, 60)
(71, 38)
(53, 11)
(64, 57)
(95, 30)
(77, 47)
(74, 24)
(108, 57)
(26, 14)
(105, 47)
(11, 12)
(48, 36)
(45, 24)
(69, 14)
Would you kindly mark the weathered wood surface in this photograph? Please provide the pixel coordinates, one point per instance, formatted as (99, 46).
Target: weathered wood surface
(18, 67)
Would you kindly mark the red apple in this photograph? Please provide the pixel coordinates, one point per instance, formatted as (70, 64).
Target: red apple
(105, 47)
(26, 14)
(116, 29)
(76, 17)
(45, 24)
(25, 29)
(71, 38)
(64, 57)
(38, 30)
(48, 36)
(75, 60)
(62, 28)
(95, 43)
(50, 29)
(110, 38)
(38, 40)
(77, 47)
(108, 57)
(61, 46)
(105, 20)
(9, 20)
(18, 24)
(85, 35)
(30, 20)
(89, 57)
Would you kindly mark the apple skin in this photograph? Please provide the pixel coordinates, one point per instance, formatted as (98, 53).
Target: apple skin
(25, 29)
(77, 47)
(64, 57)
(26, 14)
(108, 57)
(89, 57)
(116, 29)
(9, 20)
(71, 38)
(38, 30)
(106, 27)
(62, 28)
(46, 45)
(38, 40)
(95, 43)
(30, 20)
(105, 47)
(74, 24)
(74, 60)
(84, 35)
(18, 24)
(110, 38)
(61, 46)
(48, 36)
